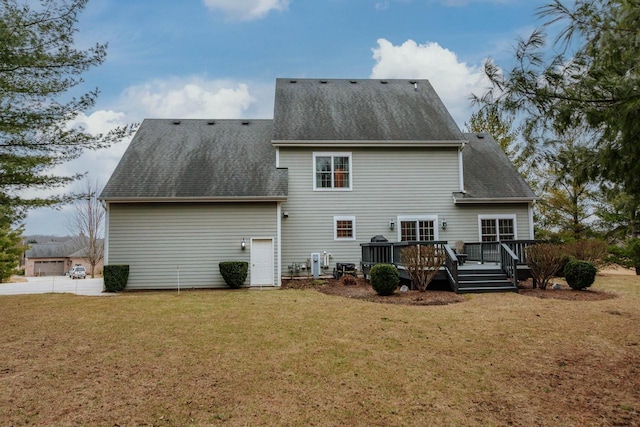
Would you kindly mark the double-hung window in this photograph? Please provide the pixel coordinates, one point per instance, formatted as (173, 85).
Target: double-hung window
(422, 228)
(495, 228)
(344, 228)
(332, 171)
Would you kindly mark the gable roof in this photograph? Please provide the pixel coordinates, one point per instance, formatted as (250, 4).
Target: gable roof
(50, 250)
(489, 176)
(206, 160)
(373, 112)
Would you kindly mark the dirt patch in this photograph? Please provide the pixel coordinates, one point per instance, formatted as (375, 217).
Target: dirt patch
(363, 291)
(562, 292)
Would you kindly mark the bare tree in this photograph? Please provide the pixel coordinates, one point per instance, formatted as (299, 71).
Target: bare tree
(423, 263)
(87, 224)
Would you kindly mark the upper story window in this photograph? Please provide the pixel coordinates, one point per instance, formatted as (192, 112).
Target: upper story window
(332, 171)
(422, 228)
(495, 228)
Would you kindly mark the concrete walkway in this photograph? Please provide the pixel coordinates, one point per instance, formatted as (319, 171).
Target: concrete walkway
(57, 284)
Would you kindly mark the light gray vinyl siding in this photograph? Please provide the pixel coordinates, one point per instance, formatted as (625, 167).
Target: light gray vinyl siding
(386, 183)
(466, 219)
(155, 238)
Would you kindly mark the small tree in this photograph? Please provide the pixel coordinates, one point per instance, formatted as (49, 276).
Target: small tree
(544, 259)
(87, 223)
(423, 263)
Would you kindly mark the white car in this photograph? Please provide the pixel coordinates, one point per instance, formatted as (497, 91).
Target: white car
(78, 272)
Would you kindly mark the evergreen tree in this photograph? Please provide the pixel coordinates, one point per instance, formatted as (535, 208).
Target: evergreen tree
(39, 66)
(590, 75)
(10, 247)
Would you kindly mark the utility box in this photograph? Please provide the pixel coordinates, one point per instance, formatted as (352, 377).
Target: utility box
(315, 264)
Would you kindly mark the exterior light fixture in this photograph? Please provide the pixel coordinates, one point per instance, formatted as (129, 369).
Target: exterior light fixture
(392, 224)
(243, 244)
(444, 224)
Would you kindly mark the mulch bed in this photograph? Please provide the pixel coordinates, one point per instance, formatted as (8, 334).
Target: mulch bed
(363, 291)
(564, 293)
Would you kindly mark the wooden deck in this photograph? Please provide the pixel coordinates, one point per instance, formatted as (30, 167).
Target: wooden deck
(487, 266)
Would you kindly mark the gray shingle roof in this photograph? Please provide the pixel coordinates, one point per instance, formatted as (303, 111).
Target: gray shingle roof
(199, 159)
(360, 110)
(488, 173)
(52, 250)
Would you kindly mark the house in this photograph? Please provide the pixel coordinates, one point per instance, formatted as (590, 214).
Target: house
(56, 259)
(341, 161)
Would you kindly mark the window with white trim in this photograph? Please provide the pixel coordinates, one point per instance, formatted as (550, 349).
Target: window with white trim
(332, 171)
(422, 228)
(495, 228)
(344, 228)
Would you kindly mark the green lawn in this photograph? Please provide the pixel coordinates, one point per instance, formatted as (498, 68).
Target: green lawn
(299, 357)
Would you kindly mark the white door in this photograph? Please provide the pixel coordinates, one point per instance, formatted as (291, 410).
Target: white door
(262, 262)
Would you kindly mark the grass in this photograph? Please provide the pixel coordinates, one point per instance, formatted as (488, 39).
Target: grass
(299, 357)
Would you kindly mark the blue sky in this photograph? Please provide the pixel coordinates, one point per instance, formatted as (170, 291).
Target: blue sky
(220, 58)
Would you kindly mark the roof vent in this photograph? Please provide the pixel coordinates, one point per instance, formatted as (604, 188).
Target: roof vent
(246, 123)
(176, 122)
(480, 135)
(384, 82)
(323, 82)
(293, 81)
(353, 82)
(211, 122)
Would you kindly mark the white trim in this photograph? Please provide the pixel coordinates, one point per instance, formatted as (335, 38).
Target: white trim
(332, 154)
(434, 218)
(105, 260)
(496, 217)
(277, 157)
(531, 226)
(335, 227)
(461, 170)
(366, 143)
(491, 200)
(279, 243)
(195, 199)
(273, 265)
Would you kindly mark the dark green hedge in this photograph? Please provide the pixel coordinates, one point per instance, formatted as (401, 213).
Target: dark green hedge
(234, 273)
(579, 274)
(384, 278)
(115, 277)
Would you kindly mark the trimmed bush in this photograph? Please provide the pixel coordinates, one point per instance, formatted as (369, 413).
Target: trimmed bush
(115, 277)
(348, 280)
(579, 274)
(545, 260)
(234, 273)
(384, 279)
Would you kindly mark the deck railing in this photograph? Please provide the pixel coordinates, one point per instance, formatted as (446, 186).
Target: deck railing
(509, 263)
(390, 253)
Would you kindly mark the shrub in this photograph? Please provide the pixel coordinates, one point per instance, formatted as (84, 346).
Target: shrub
(591, 250)
(348, 280)
(234, 273)
(423, 263)
(545, 260)
(580, 274)
(384, 278)
(115, 277)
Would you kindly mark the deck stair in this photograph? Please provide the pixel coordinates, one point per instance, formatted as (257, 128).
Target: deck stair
(484, 280)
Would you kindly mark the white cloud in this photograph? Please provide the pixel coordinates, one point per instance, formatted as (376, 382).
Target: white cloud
(454, 81)
(189, 98)
(246, 10)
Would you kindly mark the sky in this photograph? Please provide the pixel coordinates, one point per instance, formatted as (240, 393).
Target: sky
(218, 59)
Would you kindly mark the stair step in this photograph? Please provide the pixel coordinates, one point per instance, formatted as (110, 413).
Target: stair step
(482, 276)
(471, 289)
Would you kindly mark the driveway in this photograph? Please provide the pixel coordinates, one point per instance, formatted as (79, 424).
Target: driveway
(57, 284)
